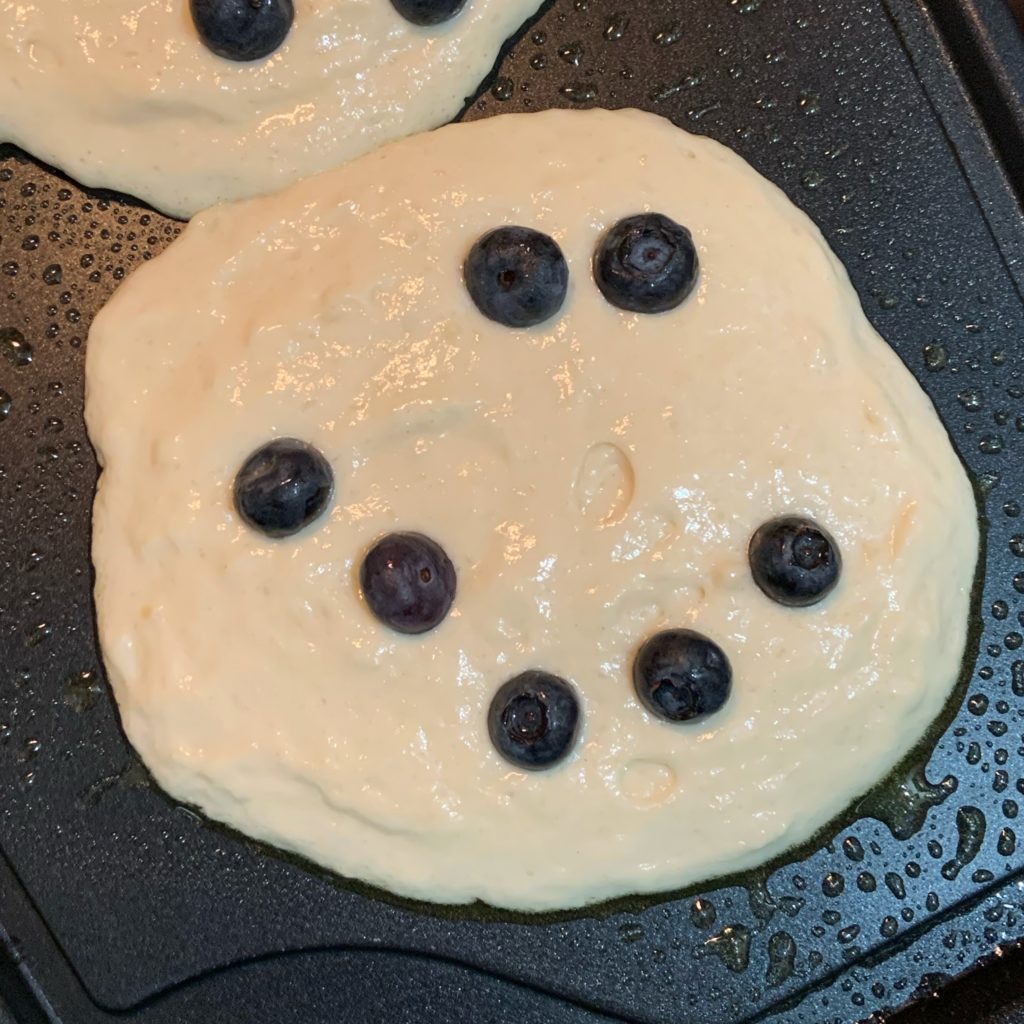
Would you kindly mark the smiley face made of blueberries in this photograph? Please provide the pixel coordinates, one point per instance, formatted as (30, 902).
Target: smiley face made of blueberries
(518, 277)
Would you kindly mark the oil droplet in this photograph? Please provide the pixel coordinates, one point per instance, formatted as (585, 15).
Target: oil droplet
(572, 53)
(666, 92)
(853, 849)
(745, 6)
(503, 89)
(1017, 678)
(133, 776)
(970, 398)
(809, 102)
(631, 932)
(579, 92)
(669, 35)
(970, 827)
(762, 902)
(82, 691)
(38, 633)
(848, 934)
(991, 444)
(936, 356)
(5, 404)
(731, 945)
(53, 274)
(977, 704)
(812, 179)
(904, 804)
(889, 927)
(987, 481)
(616, 27)
(1007, 842)
(702, 913)
(781, 959)
(866, 882)
(833, 885)
(791, 905)
(895, 884)
(14, 346)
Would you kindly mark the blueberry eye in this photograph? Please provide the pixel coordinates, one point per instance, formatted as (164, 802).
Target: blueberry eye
(283, 486)
(242, 30)
(794, 561)
(646, 264)
(533, 720)
(681, 676)
(408, 582)
(517, 276)
(428, 12)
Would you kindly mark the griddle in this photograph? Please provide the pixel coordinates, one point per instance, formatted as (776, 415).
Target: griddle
(118, 904)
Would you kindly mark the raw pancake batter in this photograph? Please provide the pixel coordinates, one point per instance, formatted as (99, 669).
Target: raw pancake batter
(124, 94)
(607, 497)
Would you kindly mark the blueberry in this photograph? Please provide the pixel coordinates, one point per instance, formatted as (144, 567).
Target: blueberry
(428, 12)
(681, 676)
(517, 276)
(646, 264)
(533, 720)
(283, 486)
(408, 582)
(794, 561)
(242, 29)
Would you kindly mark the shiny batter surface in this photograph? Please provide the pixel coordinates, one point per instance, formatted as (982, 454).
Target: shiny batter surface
(123, 94)
(594, 480)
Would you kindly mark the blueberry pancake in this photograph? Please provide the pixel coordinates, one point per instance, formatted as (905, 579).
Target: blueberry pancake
(545, 527)
(185, 103)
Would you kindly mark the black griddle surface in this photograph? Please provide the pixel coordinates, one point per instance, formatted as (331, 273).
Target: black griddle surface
(115, 903)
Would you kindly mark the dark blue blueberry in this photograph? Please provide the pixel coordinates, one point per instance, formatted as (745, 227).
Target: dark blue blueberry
(517, 276)
(794, 561)
(646, 264)
(408, 582)
(533, 720)
(242, 29)
(682, 676)
(428, 12)
(283, 487)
